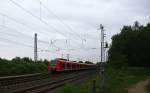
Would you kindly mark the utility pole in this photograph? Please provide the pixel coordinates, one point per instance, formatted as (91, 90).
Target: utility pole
(35, 47)
(102, 43)
(68, 57)
(102, 57)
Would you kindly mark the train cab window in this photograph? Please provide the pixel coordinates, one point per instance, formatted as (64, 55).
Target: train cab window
(53, 62)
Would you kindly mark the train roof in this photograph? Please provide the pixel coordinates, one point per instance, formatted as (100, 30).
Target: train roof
(60, 59)
(74, 62)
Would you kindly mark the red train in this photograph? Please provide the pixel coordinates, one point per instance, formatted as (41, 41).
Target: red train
(60, 64)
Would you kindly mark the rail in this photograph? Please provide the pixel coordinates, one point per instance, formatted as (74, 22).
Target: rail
(37, 83)
(13, 80)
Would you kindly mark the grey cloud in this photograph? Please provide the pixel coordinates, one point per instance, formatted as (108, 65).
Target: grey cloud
(83, 16)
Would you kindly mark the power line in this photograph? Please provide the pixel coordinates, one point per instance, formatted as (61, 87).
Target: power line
(4, 15)
(14, 20)
(14, 30)
(14, 42)
(59, 19)
(10, 18)
(37, 18)
(10, 34)
(40, 41)
(24, 45)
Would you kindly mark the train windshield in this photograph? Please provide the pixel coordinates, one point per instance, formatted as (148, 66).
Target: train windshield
(53, 62)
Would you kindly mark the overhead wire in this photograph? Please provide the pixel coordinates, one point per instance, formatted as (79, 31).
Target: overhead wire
(37, 17)
(41, 50)
(44, 22)
(41, 41)
(16, 21)
(41, 20)
(59, 19)
(18, 43)
(23, 44)
(17, 30)
(10, 34)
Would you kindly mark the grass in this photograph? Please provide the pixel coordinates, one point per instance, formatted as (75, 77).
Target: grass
(116, 81)
(84, 87)
(8, 68)
(148, 88)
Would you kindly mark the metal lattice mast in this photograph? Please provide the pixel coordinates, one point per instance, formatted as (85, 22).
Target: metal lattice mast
(35, 48)
(102, 43)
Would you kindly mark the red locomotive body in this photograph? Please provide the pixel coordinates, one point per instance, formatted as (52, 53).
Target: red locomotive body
(64, 65)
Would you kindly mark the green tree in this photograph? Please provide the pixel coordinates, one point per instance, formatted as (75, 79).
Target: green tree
(131, 46)
(16, 59)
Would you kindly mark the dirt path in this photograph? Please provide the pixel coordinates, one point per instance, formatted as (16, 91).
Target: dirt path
(139, 87)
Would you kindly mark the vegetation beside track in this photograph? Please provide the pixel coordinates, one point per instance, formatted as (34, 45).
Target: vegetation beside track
(119, 80)
(148, 87)
(131, 47)
(128, 61)
(19, 66)
(81, 87)
(116, 81)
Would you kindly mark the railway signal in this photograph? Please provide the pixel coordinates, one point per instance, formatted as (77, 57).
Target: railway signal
(102, 55)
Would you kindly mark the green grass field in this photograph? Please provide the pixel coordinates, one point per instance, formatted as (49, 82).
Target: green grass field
(116, 81)
(81, 87)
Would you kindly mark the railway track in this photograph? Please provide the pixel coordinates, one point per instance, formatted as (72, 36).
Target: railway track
(13, 80)
(40, 84)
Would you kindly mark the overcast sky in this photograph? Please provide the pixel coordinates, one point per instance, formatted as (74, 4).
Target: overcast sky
(64, 26)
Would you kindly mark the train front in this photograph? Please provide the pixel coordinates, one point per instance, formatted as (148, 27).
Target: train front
(52, 65)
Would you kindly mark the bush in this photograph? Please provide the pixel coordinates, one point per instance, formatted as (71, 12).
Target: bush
(131, 46)
(119, 80)
(18, 66)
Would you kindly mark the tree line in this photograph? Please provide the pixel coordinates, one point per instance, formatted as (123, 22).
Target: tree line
(131, 47)
(19, 59)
